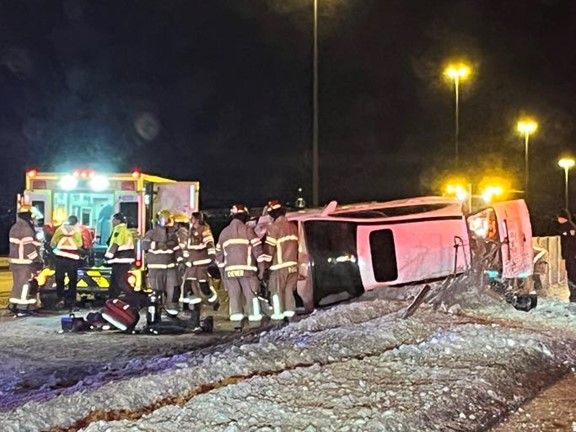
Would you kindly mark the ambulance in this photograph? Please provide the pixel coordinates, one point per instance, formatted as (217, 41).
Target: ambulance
(93, 197)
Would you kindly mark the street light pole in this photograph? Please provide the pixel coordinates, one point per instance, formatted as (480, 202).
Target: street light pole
(315, 164)
(526, 127)
(456, 115)
(457, 73)
(566, 163)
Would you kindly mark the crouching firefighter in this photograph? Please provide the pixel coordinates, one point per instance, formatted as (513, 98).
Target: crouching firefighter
(281, 254)
(161, 244)
(24, 259)
(120, 254)
(238, 254)
(198, 254)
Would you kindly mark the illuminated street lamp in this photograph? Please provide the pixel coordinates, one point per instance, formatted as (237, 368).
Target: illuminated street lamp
(566, 163)
(526, 127)
(490, 192)
(457, 72)
(462, 193)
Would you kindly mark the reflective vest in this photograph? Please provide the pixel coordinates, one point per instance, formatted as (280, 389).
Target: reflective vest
(24, 247)
(281, 246)
(67, 241)
(239, 250)
(121, 247)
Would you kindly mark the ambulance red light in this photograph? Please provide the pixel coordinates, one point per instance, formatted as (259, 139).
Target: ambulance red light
(138, 263)
(136, 173)
(32, 173)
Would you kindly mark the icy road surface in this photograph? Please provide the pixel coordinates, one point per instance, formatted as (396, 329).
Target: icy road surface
(355, 367)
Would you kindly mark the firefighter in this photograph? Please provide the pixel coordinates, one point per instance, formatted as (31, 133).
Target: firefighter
(24, 258)
(567, 230)
(199, 253)
(120, 255)
(181, 229)
(66, 244)
(281, 254)
(161, 246)
(239, 256)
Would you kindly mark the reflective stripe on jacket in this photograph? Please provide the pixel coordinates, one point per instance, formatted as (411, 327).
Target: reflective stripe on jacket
(281, 245)
(160, 245)
(239, 250)
(121, 247)
(24, 248)
(199, 249)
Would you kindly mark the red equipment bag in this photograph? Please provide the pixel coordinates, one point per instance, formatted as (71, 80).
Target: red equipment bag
(120, 314)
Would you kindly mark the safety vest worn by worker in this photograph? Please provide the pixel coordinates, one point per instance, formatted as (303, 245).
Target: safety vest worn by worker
(238, 250)
(121, 247)
(161, 245)
(67, 241)
(281, 245)
(199, 249)
(24, 248)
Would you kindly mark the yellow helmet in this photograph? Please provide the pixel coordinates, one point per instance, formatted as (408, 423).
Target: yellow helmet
(181, 218)
(164, 218)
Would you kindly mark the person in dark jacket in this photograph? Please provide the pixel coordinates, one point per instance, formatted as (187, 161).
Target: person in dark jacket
(567, 230)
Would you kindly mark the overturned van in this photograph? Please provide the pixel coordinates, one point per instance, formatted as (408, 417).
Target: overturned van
(347, 250)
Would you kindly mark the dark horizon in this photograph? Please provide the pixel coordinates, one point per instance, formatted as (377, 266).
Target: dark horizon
(221, 92)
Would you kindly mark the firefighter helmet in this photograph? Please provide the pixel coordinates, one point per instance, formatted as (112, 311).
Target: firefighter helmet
(273, 205)
(238, 209)
(24, 208)
(164, 218)
(180, 218)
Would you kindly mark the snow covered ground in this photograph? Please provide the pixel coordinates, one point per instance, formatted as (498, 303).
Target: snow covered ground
(356, 367)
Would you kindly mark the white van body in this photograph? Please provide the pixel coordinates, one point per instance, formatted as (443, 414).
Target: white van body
(347, 250)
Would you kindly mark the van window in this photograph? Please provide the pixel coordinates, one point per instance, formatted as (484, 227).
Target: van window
(383, 254)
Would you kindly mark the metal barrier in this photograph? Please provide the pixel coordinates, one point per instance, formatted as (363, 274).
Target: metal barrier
(554, 271)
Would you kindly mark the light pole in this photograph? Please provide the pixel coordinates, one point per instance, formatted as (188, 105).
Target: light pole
(566, 163)
(526, 127)
(315, 164)
(457, 73)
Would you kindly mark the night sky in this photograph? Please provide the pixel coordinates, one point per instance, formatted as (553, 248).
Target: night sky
(220, 91)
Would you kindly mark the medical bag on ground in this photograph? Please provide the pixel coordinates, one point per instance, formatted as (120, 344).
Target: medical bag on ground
(120, 314)
(71, 323)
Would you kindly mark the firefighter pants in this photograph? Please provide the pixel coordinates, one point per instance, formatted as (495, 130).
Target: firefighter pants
(200, 283)
(282, 283)
(66, 266)
(242, 293)
(571, 273)
(20, 297)
(166, 281)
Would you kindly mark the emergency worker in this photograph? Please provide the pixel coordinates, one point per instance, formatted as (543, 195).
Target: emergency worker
(161, 245)
(181, 229)
(120, 254)
(281, 254)
(199, 253)
(24, 258)
(239, 256)
(66, 245)
(567, 229)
